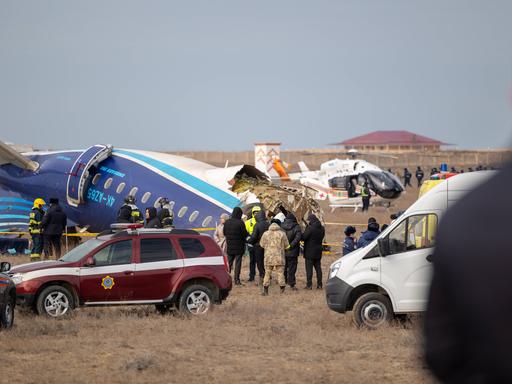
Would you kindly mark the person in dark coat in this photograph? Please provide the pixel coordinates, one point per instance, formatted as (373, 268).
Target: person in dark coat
(419, 175)
(259, 253)
(152, 220)
(236, 234)
(370, 234)
(467, 324)
(294, 235)
(54, 224)
(407, 178)
(313, 238)
(124, 215)
(349, 244)
(165, 214)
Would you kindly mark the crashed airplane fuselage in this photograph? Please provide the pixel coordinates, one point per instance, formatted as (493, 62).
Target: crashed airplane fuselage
(91, 185)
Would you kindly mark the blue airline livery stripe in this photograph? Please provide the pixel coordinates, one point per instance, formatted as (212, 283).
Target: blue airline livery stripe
(13, 217)
(15, 208)
(196, 183)
(14, 200)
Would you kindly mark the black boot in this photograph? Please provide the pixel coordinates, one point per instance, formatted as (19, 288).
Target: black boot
(308, 287)
(265, 291)
(283, 288)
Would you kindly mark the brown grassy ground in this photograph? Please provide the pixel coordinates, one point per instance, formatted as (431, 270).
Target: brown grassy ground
(290, 338)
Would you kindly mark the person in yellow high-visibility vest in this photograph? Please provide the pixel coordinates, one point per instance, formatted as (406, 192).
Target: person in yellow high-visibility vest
(365, 196)
(34, 228)
(249, 227)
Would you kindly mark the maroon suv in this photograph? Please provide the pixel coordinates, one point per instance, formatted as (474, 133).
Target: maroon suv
(168, 268)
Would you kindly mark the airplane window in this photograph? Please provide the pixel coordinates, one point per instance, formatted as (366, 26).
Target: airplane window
(108, 183)
(207, 221)
(133, 191)
(182, 211)
(193, 216)
(96, 178)
(145, 197)
(120, 187)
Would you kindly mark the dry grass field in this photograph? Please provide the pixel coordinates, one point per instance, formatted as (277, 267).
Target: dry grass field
(290, 338)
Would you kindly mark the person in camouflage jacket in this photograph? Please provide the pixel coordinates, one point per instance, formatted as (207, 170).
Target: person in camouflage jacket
(274, 242)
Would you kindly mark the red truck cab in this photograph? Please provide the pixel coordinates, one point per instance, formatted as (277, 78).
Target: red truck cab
(168, 268)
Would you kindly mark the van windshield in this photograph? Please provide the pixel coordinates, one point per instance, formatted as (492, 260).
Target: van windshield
(83, 249)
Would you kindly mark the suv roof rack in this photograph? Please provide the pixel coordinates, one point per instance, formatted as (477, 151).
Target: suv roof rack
(142, 231)
(122, 229)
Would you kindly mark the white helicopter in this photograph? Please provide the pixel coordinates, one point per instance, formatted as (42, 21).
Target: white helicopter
(339, 181)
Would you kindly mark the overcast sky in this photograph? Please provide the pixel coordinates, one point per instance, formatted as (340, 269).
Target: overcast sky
(214, 75)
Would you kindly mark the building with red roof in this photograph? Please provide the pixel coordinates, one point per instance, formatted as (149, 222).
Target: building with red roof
(392, 141)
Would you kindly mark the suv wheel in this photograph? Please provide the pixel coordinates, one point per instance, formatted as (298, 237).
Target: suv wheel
(54, 301)
(196, 300)
(7, 313)
(372, 310)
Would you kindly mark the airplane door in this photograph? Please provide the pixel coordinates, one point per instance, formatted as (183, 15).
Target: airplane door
(407, 271)
(111, 278)
(79, 173)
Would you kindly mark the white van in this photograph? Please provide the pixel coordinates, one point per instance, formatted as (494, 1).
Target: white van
(391, 275)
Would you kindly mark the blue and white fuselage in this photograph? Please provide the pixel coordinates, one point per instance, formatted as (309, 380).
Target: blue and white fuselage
(199, 192)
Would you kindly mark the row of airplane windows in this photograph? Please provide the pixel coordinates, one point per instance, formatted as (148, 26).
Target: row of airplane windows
(146, 196)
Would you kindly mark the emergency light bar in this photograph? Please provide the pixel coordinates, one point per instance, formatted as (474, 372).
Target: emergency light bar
(124, 226)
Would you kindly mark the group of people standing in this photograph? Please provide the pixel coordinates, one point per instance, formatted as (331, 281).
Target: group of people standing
(46, 229)
(350, 243)
(273, 246)
(408, 176)
(130, 213)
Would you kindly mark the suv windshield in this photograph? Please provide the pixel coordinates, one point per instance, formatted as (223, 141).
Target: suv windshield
(77, 253)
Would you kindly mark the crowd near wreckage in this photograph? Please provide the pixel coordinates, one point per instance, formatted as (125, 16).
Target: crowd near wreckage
(92, 185)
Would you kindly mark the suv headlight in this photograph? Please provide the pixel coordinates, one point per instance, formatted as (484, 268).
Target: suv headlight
(334, 269)
(17, 278)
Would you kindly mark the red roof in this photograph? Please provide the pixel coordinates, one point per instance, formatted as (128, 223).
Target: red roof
(391, 138)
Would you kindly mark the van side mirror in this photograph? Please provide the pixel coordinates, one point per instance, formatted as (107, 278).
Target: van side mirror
(5, 266)
(384, 246)
(90, 262)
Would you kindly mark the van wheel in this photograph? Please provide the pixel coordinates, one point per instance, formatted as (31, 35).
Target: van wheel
(372, 310)
(7, 313)
(196, 300)
(54, 301)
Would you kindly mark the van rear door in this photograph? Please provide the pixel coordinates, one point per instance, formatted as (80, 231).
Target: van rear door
(406, 273)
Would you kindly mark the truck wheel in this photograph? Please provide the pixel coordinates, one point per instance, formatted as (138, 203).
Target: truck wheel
(196, 300)
(372, 310)
(54, 301)
(7, 313)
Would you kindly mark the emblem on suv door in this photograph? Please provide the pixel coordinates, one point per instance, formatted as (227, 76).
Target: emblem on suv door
(107, 282)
